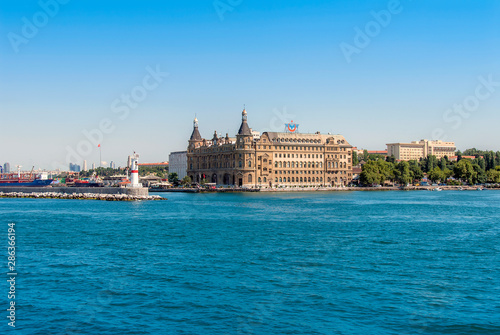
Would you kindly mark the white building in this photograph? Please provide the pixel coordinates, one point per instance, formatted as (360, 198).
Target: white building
(421, 149)
(178, 163)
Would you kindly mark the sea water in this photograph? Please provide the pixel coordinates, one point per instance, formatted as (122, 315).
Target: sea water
(274, 263)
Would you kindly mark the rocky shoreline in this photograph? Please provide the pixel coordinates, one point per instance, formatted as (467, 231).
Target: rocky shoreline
(80, 196)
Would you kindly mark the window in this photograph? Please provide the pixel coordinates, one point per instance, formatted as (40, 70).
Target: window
(249, 163)
(260, 180)
(265, 180)
(249, 178)
(240, 164)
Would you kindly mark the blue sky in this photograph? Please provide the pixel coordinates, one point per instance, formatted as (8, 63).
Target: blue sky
(283, 59)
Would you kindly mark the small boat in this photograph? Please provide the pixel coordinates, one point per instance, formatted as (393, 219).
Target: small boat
(438, 189)
(479, 189)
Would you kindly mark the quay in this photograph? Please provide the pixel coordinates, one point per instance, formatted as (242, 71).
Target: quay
(319, 189)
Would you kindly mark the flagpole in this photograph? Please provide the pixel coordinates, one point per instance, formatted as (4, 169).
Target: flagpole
(100, 156)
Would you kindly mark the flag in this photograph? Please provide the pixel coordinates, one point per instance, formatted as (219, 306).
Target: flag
(99, 146)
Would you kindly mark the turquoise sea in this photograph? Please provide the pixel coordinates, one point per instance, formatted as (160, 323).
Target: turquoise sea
(288, 263)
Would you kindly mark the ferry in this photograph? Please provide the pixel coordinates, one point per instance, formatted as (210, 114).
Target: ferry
(24, 179)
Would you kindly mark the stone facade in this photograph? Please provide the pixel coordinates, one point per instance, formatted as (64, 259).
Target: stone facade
(273, 159)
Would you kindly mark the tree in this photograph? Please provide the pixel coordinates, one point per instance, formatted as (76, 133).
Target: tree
(464, 171)
(443, 163)
(493, 175)
(186, 180)
(403, 173)
(416, 171)
(376, 172)
(173, 178)
(480, 174)
(430, 163)
(436, 174)
(355, 160)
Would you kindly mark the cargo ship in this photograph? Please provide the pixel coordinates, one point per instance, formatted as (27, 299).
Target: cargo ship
(24, 179)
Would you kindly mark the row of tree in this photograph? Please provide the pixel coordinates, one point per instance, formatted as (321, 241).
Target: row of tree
(471, 171)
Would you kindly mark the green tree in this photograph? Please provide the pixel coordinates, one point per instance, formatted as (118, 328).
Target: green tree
(416, 170)
(403, 173)
(173, 178)
(481, 176)
(436, 174)
(355, 160)
(430, 163)
(493, 175)
(464, 170)
(186, 180)
(376, 172)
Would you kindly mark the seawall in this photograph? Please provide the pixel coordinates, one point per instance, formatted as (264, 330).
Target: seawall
(143, 191)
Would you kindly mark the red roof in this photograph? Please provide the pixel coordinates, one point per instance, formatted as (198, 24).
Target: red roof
(154, 164)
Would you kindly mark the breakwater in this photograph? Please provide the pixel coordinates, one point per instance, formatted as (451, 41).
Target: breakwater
(83, 193)
(80, 196)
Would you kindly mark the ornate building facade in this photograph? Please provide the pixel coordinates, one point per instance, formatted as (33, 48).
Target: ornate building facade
(271, 159)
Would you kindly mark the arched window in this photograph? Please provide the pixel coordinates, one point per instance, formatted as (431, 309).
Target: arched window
(293, 179)
(281, 164)
(301, 180)
(240, 164)
(260, 180)
(309, 179)
(276, 164)
(281, 179)
(249, 163)
(265, 180)
(249, 178)
(288, 179)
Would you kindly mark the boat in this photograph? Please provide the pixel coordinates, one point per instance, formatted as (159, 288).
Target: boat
(24, 179)
(87, 183)
(438, 189)
(479, 188)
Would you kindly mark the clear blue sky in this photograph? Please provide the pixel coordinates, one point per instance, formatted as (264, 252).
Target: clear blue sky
(273, 56)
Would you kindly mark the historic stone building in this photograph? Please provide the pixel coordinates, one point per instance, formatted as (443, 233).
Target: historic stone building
(271, 159)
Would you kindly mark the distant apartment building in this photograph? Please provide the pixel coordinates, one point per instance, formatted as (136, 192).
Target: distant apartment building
(178, 163)
(6, 168)
(74, 167)
(421, 149)
(129, 161)
(93, 166)
(112, 165)
(84, 165)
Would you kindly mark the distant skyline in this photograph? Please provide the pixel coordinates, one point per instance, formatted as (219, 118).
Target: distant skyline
(137, 73)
